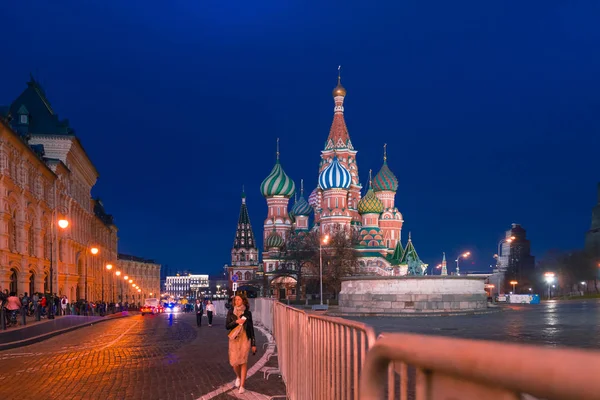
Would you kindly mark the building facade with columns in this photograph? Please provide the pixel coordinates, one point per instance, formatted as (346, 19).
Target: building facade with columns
(145, 273)
(46, 176)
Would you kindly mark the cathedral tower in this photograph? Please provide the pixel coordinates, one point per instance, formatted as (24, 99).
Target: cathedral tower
(385, 185)
(277, 188)
(301, 211)
(338, 146)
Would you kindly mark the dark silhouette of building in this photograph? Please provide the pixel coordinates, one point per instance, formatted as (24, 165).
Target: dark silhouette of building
(592, 237)
(520, 264)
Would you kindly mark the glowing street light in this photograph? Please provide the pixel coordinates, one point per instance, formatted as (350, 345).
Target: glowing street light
(549, 278)
(94, 250)
(118, 273)
(63, 223)
(109, 266)
(463, 255)
(514, 283)
(131, 281)
(126, 277)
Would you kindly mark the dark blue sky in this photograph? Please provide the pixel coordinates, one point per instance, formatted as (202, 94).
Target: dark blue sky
(490, 111)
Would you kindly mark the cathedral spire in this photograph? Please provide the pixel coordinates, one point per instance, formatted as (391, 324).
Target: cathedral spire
(444, 267)
(244, 236)
(338, 134)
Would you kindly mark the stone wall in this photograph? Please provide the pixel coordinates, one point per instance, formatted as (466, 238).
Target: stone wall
(425, 294)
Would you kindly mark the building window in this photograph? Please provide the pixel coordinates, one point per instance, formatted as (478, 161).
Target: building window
(31, 241)
(248, 276)
(12, 232)
(24, 119)
(13, 281)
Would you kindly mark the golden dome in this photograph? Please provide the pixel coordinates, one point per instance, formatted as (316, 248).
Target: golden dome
(339, 89)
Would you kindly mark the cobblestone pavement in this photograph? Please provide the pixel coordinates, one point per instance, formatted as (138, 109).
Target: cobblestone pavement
(151, 357)
(574, 323)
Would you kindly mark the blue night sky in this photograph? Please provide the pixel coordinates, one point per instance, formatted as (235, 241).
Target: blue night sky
(489, 110)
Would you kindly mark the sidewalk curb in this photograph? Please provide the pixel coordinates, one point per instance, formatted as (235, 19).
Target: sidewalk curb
(40, 338)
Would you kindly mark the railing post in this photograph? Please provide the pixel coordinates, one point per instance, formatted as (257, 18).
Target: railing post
(38, 312)
(23, 316)
(2, 319)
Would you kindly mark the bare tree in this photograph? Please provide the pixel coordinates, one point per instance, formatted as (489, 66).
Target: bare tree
(340, 258)
(301, 251)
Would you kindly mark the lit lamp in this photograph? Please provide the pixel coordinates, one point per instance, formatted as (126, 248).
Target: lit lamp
(514, 283)
(94, 250)
(325, 240)
(62, 224)
(549, 278)
(463, 255)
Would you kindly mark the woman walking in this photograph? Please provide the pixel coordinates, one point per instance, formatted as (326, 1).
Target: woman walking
(241, 340)
(210, 312)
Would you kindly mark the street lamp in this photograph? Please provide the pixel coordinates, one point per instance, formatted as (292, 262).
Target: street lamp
(463, 255)
(63, 224)
(549, 278)
(108, 267)
(514, 283)
(321, 243)
(94, 250)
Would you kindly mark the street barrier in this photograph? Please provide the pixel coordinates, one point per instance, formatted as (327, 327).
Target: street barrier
(262, 311)
(429, 367)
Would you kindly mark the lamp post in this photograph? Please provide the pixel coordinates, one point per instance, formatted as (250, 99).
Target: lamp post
(549, 278)
(108, 267)
(321, 243)
(499, 264)
(463, 255)
(118, 273)
(125, 278)
(63, 224)
(514, 284)
(94, 250)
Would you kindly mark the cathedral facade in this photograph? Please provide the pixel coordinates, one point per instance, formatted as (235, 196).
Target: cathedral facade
(335, 203)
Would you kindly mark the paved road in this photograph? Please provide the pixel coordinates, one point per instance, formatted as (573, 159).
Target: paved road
(555, 323)
(150, 357)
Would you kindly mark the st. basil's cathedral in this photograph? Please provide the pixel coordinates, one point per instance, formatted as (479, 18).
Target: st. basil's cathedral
(335, 203)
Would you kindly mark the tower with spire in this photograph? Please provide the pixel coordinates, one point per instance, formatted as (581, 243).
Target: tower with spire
(338, 192)
(244, 252)
(385, 186)
(277, 188)
(444, 266)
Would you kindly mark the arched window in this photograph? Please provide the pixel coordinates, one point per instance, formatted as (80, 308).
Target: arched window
(12, 232)
(31, 241)
(31, 283)
(13, 281)
(46, 283)
(248, 276)
(46, 246)
(239, 275)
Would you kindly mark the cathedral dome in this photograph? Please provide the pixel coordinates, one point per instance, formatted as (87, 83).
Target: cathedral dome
(335, 176)
(385, 180)
(301, 208)
(313, 199)
(274, 240)
(370, 204)
(277, 183)
(339, 90)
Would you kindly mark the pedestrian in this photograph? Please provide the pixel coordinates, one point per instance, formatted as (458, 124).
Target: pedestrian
(64, 302)
(199, 311)
(210, 312)
(240, 339)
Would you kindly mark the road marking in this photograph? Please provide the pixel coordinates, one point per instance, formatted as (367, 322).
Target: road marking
(255, 368)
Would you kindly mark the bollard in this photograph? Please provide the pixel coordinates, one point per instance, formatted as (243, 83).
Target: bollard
(2, 319)
(23, 316)
(38, 313)
(327, 302)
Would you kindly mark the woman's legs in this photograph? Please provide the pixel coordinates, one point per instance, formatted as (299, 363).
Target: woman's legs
(238, 371)
(210, 315)
(243, 372)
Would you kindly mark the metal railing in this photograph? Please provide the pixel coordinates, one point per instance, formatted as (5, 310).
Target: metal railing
(262, 311)
(429, 367)
(319, 357)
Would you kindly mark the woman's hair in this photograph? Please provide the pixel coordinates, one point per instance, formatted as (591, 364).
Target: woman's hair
(244, 301)
(12, 294)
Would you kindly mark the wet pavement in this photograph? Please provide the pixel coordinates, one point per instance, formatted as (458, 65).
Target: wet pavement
(555, 323)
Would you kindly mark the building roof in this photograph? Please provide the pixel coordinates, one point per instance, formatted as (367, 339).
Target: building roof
(409, 250)
(101, 214)
(301, 206)
(335, 176)
(277, 183)
(128, 257)
(398, 255)
(338, 138)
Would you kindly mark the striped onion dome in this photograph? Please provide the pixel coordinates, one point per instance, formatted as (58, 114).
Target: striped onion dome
(370, 204)
(335, 176)
(313, 199)
(385, 180)
(301, 207)
(274, 240)
(277, 183)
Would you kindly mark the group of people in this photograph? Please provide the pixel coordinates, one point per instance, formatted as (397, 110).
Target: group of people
(241, 334)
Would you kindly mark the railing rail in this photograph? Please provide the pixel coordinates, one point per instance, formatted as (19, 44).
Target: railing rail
(458, 368)
(319, 357)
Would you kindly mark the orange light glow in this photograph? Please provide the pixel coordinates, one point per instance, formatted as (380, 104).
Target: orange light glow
(118, 273)
(513, 282)
(109, 266)
(63, 223)
(94, 250)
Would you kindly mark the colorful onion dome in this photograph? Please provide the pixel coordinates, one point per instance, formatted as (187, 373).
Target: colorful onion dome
(335, 176)
(313, 199)
(277, 183)
(274, 240)
(370, 204)
(301, 207)
(385, 180)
